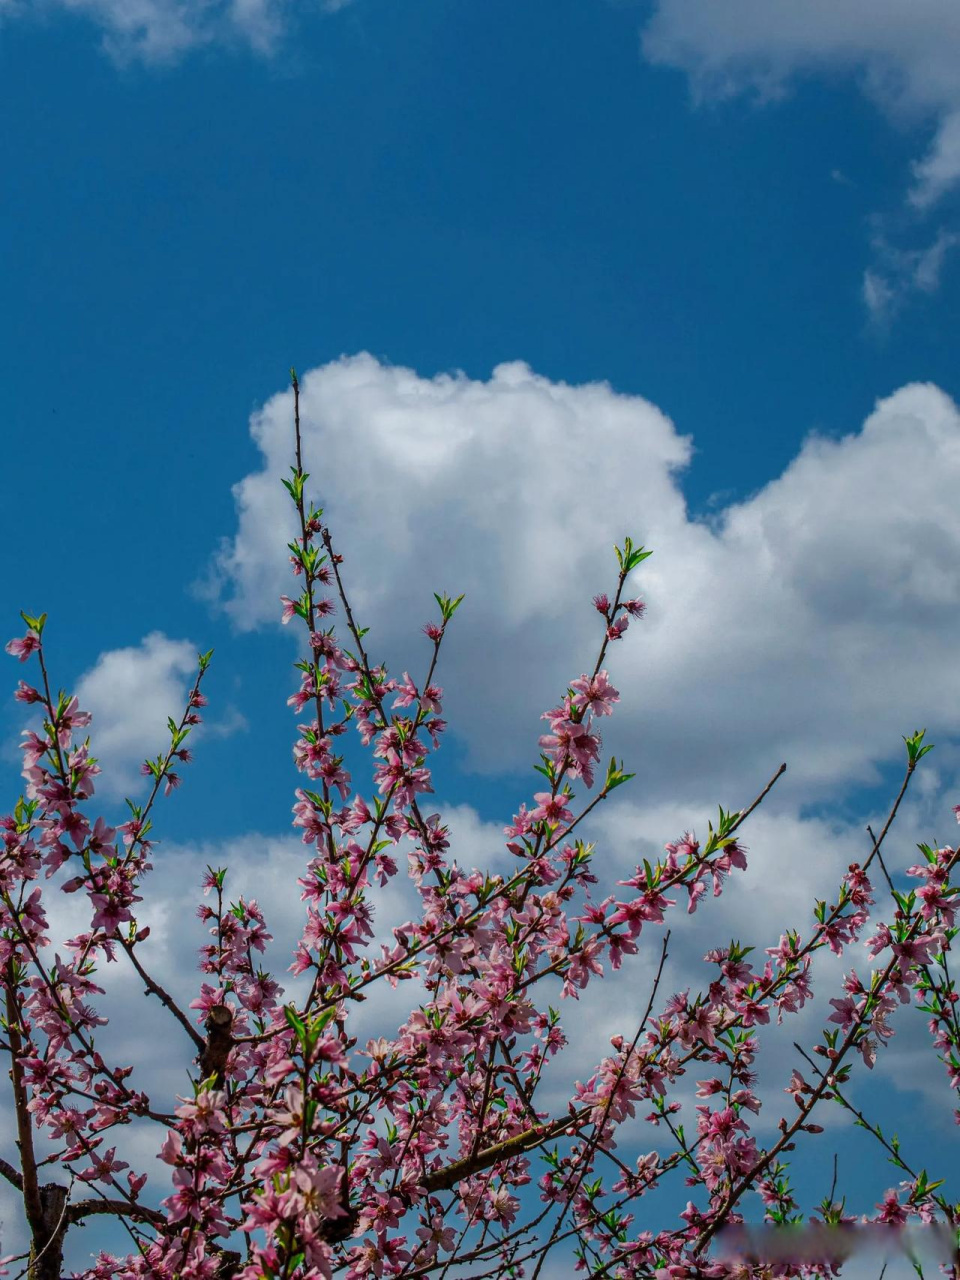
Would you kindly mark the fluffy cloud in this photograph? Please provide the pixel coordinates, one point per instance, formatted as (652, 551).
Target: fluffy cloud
(812, 623)
(131, 693)
(906, 59)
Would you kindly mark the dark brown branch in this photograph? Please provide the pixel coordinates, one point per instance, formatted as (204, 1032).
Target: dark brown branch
(446, 1179)
(9, 1172)
(215, 1050)
(28, 1163)
(46, 1246)
(81, 1209)
(154, 988)
(745, 813)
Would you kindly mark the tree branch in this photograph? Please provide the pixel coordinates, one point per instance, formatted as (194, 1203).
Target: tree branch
(10, 1173)
(81, 1209)
(446, 1179)
(28, 1181)
(154, 987)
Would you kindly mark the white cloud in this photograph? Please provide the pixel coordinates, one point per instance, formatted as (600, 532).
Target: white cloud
(905, 57)
(131, 693)
(812, 623)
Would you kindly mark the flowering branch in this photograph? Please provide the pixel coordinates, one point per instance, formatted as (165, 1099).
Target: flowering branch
(411, 1154)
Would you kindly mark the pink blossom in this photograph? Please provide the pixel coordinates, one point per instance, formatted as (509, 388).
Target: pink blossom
(550, 809)
(103, 1168)
(595, 693)
(22, 649)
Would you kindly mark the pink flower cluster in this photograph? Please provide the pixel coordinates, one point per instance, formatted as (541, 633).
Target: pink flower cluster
(300, 1154)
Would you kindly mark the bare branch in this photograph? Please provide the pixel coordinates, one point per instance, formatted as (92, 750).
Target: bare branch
(81, 1209)
(154, 988)
(10, 1173)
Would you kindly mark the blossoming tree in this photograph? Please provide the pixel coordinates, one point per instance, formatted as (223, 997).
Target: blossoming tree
(301, 1153)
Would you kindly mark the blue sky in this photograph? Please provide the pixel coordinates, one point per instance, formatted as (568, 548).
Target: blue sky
(743, 220)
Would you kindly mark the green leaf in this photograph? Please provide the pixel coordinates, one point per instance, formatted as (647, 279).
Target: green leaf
(915, 751)
(615, 775)
(448, 607)
(630, 556)
(35, 624)
(548, 769)
(319, 1024)
(295, 1022)
(635, 558)
(295, 486)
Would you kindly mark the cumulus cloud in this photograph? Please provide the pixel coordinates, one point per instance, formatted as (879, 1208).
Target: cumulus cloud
(132, 692)
(163, 31)
(812, 622)
(906, 58)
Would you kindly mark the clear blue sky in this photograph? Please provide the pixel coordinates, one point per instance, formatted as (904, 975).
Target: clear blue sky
(593, 188)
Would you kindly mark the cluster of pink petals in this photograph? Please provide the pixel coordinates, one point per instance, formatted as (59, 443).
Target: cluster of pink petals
(300, 1153)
